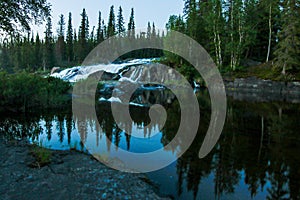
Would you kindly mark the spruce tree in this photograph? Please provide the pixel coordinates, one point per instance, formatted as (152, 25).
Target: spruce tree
(148, 31)
(60, 43)
(131, 25)
(153, 31)
(76, 47)
(82, 37)
(120, 22)
(38, 52)
(5, 57)
(288, 52)
(69, 40)
(104, 30)
(111, 26)
(99, 30)
(49, 59)
(87, 29)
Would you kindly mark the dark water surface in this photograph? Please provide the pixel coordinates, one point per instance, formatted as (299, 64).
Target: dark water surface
(256, 157)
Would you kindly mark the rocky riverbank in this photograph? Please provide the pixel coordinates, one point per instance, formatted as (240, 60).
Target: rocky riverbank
(69, 175)
(254, 89)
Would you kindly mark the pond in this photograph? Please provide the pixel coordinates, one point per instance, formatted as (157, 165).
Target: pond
(256, 157)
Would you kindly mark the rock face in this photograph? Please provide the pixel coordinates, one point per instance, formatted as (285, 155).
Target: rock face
(254, 89)
(70, 175)
(54, 70)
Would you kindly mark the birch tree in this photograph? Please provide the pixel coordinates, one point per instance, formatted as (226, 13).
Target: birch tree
(235, 15)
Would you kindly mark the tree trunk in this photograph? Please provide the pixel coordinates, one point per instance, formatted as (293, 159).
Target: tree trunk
(231, 37)
(270, 32)
(220, 50)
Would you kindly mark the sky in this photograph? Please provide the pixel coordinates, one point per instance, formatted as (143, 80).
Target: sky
(157, 11)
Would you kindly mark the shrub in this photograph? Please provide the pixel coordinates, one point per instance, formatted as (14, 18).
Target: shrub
(26, 92)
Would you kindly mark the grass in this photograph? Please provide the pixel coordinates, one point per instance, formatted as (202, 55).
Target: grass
(42, 156)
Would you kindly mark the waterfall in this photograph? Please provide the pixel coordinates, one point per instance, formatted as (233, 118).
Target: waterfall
(77, 73)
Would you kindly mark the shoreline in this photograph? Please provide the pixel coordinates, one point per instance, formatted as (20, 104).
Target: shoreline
(69, 175)
(261, 90)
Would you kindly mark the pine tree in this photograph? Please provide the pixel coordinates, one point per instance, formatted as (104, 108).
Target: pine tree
(61, 26)
(25, 59)
(5, 56)
(69, 40)
(99, 36)
(38, 52)
(111, 26)
(104, 30)
(131, 25)
(87, 29)
(190, 14)
(120, 22)
(60, 44)
(148, 31)
(76, 47)
(288, 52)
(153, 36)
(49, 60)
(82, 37)
(92, 39)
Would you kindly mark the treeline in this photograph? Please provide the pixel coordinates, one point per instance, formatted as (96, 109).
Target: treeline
(235, 31)
(69, 47)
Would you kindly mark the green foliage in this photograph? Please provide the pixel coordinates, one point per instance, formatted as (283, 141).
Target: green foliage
(25, 92)
(131, 25)
(120, 22)
(60, 46)
(100, 31)
(49, 59)
(42, 156)
(17, 15)
(288, 51)
(83, 37)
(69, 41)
(111, 26)
(234, 30)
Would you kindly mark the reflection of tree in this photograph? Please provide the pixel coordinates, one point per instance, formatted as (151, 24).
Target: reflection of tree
(21, 126)
(278, 179)
(249, 146)
(48, 120)
(258, 142)
(226, 172)
(61, 127)
(70, 126)
(189, 166)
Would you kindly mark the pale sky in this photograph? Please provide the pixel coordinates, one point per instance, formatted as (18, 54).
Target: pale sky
(157, 11)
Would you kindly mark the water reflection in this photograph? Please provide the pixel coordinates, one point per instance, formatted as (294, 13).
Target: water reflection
(256, 157)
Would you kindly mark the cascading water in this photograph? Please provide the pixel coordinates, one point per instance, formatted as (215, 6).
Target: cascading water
(129, 74)
(75, 74)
